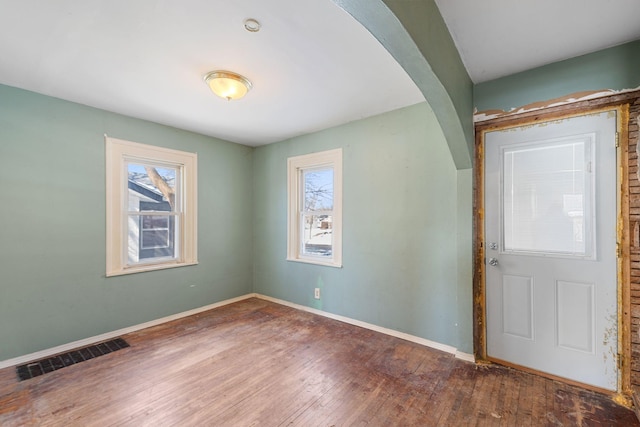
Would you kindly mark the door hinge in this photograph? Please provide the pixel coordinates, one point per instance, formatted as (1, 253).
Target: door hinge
(620, 361)
(618, 250)
(617, 139)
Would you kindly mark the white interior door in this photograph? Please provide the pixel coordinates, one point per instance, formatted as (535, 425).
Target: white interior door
(550, 246)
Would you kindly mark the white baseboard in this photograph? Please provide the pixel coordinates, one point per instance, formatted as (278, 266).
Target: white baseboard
(110, 335)
(42, 354)
(465, 356)
(412, 338)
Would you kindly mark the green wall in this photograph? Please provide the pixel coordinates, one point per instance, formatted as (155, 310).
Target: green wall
(401, 217)
(407, 227)
(615, 68)
(53, 288)
(465, 260)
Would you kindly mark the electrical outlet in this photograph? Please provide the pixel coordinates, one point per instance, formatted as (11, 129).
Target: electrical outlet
(316, 293)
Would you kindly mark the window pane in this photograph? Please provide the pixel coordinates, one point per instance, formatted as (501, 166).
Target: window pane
(546, 195)
(150, 238)
(152, 221)
(318, 189)
(151, 188)
(155, 239)
(155, 232)
(317, 237)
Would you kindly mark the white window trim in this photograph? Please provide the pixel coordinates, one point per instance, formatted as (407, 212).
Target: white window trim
(331, 158)
(117, 152)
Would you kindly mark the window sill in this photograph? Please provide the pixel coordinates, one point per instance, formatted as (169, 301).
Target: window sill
(148, 267)
(316, 262)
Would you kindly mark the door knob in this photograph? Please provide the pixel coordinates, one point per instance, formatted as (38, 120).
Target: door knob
(493, 261)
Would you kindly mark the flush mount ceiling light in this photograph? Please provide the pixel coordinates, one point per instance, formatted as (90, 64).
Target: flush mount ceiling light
(228, 85)
(252, 25)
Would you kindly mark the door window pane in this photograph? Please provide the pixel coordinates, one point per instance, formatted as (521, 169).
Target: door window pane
(547, 196)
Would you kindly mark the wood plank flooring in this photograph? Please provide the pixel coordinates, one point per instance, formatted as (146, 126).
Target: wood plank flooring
(258, 363)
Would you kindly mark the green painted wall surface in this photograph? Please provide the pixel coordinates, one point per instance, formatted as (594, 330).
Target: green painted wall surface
(400, 222)
(53, 288)
(615, 68)
(465, 260)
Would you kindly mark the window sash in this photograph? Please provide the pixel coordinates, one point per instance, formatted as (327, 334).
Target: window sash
(135, 253)
(320, 248)
(302, 176)
(304, 240)
(166, 229)
(157, 234)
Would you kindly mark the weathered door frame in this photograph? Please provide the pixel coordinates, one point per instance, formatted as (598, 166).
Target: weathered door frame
(619, 102)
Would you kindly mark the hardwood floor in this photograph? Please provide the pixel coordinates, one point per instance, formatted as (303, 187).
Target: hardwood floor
(259, 363)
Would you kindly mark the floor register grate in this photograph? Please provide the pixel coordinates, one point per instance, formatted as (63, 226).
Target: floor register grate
(50, 364)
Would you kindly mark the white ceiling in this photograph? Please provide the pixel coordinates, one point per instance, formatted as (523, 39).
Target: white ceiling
(312, 65)
(496, 38)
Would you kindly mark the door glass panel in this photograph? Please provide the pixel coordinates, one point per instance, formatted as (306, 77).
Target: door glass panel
(547, 196)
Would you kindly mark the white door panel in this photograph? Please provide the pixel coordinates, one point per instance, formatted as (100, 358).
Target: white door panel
(550, 211)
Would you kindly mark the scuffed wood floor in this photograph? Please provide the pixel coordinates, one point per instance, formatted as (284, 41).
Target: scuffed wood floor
(259, 363)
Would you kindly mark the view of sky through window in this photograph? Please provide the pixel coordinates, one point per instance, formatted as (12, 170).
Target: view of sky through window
(318, 189)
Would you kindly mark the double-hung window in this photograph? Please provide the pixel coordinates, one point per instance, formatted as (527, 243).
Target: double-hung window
(151, 207)
(315, 208)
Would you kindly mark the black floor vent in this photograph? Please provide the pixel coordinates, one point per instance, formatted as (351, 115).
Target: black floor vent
(39, 367)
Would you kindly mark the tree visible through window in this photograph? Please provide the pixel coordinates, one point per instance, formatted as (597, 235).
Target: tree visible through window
(151, 207)
(315, 215)
(152, 212)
